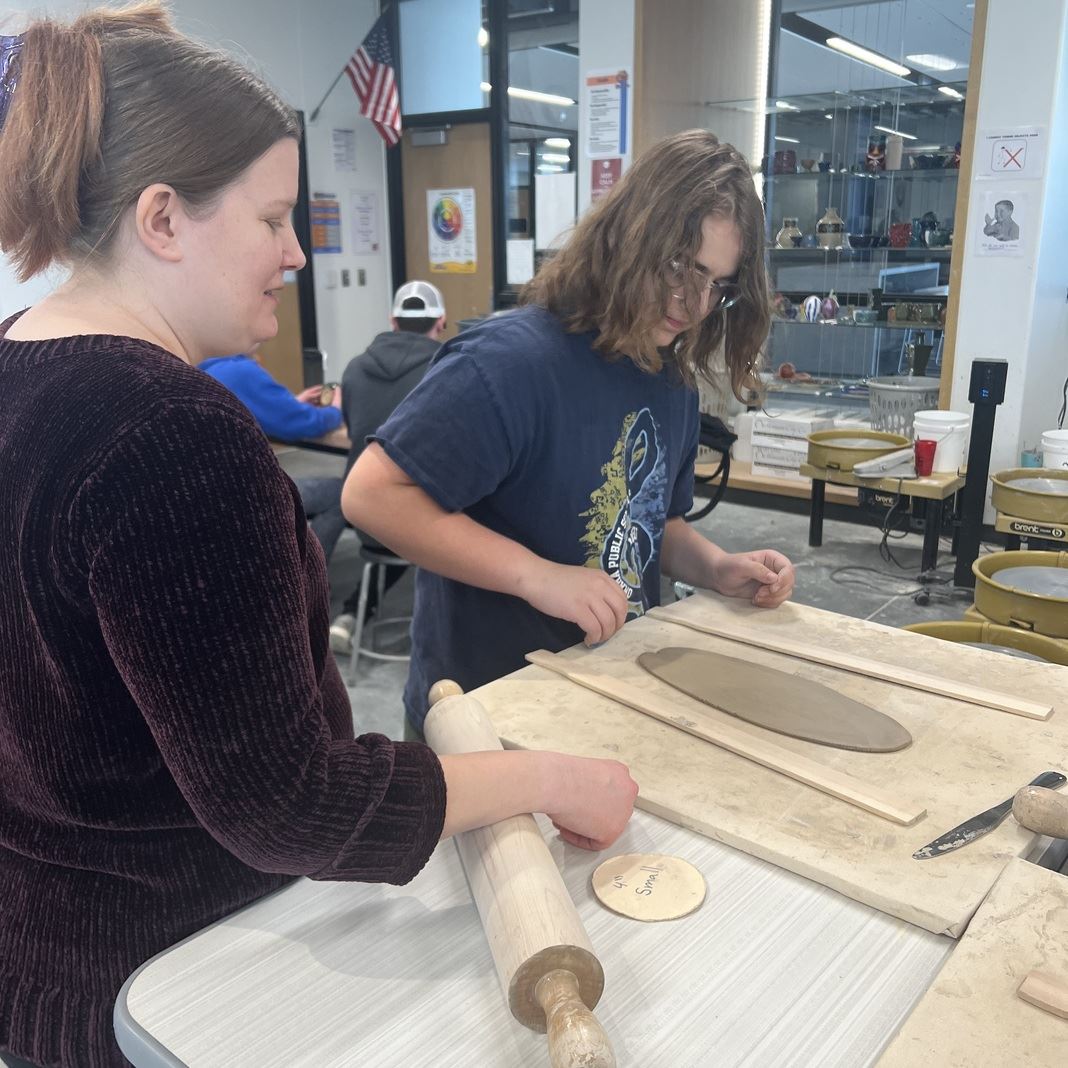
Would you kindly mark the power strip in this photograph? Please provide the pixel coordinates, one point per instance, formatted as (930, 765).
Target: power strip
(901, 462)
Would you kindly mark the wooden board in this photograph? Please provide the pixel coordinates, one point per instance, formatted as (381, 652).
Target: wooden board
(971, 1015)
(776, 700)
(963, 758)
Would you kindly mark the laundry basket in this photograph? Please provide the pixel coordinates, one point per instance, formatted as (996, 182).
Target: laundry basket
(894, 401)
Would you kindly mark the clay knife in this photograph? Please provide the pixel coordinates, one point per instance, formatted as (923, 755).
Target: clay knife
(982, 824)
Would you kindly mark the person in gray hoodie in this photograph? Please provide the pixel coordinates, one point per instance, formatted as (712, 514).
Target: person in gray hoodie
(373, 384)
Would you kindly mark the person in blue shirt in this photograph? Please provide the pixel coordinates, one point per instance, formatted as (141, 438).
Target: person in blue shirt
(286, 417)
(540, 473)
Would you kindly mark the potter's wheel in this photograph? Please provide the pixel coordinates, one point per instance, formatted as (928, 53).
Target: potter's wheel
(859, 442)
(839, 450)
(1058, 487)
(992, 638)
(1004, 649)
(1044, 581)
(1039, 494)
(1024, 589)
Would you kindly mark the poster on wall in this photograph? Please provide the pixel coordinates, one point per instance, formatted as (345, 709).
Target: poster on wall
(366, 238)
(450, 221)
(324, 211)
(604, 173)
(344, 145)
(1006, 223)
(606, 103)
(1018, 152)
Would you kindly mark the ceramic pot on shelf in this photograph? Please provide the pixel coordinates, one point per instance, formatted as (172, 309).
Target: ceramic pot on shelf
(790, 235)
(831, 230)
(829, 307)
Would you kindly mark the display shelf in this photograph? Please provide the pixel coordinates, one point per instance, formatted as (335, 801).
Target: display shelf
(828, 323)
(938, 252)
(902, 174)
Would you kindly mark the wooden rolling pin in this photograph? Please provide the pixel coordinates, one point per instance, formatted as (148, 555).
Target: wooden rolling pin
(1042, 811)
(544, 957)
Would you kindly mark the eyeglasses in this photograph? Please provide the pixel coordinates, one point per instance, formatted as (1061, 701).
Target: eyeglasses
(724, 293)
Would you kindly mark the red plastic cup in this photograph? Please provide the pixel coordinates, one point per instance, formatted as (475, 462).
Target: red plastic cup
(925, 454)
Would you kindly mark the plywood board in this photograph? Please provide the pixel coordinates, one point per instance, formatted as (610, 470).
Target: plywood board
(971, 1015)
(963, 758)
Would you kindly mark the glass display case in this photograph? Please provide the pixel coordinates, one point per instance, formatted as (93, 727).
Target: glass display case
(860, 192)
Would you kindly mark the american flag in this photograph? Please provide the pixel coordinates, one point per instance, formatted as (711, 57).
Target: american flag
(371, 72)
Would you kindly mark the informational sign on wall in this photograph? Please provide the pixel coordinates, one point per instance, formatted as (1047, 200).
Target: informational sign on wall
(1008, 221)
(344, 146)
(325, 216)
(604, 173)
(1018, 152)
(606, 101)
(450, 219)
(366, 238)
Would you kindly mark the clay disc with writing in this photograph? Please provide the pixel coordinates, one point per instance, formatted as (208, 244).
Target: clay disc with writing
(777, 700)
(649, 886)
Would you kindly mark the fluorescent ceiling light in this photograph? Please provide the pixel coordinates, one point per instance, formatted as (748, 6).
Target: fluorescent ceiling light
(949, 91)
(863, 55)
(483, 37)
(532, 94)
(554, 157)
(557, 142)
(786, 105)
(897, 133)
(788, 140)
(932, 61)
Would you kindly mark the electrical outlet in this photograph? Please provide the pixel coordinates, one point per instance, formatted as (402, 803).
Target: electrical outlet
(361, 276)
(346, 277)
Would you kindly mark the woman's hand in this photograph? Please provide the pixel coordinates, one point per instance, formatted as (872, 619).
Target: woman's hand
(763, 576)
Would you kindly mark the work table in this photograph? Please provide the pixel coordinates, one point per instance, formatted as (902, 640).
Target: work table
(774, 968)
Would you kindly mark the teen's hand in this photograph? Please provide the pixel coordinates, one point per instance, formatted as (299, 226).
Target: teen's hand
(763, 576)
(310, 395)
(585, 596)
(595, 803)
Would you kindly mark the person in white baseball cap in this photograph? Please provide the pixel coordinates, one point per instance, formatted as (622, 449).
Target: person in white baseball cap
(373, 384)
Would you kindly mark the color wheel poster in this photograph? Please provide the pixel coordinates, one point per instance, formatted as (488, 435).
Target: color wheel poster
(451, 230)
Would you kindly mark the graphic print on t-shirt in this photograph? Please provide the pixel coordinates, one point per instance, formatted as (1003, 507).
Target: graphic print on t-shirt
(628, 509)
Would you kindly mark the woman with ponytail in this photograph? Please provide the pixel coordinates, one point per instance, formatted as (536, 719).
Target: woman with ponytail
(175, 739)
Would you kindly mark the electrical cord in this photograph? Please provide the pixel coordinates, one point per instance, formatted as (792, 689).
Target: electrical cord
(1064, 406)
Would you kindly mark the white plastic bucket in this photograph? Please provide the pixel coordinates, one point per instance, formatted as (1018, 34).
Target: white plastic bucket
(950, 430)
(1055, 448)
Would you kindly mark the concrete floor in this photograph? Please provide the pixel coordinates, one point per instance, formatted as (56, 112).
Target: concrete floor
(846, 574)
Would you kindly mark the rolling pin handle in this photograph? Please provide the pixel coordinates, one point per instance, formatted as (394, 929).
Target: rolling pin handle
(576, 1038)
(445, 688)
(1042, 811)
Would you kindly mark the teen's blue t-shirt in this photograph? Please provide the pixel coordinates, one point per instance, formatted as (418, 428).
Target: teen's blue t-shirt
(537, 436)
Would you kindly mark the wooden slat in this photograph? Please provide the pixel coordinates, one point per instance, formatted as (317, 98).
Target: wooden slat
(810, 772)
(916, 680)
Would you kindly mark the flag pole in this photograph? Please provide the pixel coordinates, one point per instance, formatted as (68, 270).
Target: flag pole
(319, 106)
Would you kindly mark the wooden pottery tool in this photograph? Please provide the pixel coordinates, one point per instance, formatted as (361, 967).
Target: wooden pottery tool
(1040, 815)
(753, 747)
(649, 886)
(544, 958)
(1047, 991)
(859, 665)
(780, 702)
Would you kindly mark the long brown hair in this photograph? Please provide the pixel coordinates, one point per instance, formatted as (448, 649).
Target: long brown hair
(610, 276)
(105, 107)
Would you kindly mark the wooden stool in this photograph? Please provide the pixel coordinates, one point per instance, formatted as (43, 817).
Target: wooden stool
(375, 562)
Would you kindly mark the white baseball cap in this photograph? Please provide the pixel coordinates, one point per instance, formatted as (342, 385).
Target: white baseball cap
(433, 302)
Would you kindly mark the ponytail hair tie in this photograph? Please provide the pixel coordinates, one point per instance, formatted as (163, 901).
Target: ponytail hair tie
(10, 47)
